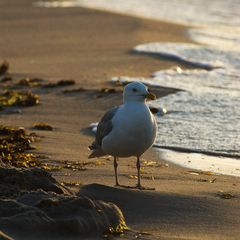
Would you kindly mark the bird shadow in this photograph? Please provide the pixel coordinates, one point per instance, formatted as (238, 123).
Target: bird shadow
(165, 208)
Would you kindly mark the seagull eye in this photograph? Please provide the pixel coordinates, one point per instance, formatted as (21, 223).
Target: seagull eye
(134, 90)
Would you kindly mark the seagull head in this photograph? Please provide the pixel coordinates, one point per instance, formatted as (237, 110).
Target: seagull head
(137, 92)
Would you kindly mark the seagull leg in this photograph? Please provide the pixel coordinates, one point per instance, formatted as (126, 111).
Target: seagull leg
(115, 164)
(139, 177)
(139, 186)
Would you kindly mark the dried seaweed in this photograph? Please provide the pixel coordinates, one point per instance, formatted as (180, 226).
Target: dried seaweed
(51, 167)
(61, 83)
(119, 82)
(80, 165)
(74, 90)
(13, 144)
(16, 98)
(70, 184)
(75, 166)
(108, 90)
(207, 180)
(30, 82)
(4, 68)
(105, 91)
(225, 195)
(155, 164)
(43, 126)
(6, 79)
(116, 231)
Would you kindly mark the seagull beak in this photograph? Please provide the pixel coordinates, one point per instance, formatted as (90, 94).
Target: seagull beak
(151, 96)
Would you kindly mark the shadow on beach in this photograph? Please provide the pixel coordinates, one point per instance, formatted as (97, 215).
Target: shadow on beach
(146, 209)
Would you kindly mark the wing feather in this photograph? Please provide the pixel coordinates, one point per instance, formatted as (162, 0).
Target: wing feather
(105, 126)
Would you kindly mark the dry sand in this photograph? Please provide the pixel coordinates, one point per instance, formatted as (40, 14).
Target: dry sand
(90, 47)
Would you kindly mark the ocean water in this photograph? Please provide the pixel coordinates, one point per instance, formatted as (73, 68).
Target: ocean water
(205, 116)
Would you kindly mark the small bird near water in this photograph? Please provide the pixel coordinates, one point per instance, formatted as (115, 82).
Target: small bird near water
(127, 130)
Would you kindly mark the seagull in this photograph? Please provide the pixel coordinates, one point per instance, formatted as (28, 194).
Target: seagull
(127, 130)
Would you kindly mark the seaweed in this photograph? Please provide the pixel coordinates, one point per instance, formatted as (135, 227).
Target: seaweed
(74, 90)
(119, 82)
(43, 126)
(108, 90)
(16, 98)
(80, 165)
(225, 195)
(118, 230)
(207, 180)
(75, 166)
(51, 167)
(70, 184)
(30, 82)
(13, 144)
(102, 92)
(4, 67)
(60, 83)
(6, 79)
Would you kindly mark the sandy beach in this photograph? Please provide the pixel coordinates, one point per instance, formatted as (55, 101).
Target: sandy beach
(90, 47)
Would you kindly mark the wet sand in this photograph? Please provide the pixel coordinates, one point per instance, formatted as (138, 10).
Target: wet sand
(90, 47)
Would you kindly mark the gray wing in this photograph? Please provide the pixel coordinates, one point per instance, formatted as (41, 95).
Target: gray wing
(105, 125)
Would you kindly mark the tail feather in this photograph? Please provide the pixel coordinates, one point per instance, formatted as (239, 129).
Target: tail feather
(96, 151)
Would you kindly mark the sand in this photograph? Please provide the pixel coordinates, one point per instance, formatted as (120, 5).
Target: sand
(90, 47)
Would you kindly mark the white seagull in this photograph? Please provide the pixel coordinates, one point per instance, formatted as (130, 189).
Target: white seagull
(126, 130)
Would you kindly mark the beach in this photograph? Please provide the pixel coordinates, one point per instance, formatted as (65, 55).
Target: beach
(91, 47)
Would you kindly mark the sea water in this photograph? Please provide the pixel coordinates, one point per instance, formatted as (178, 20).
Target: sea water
(204, 117)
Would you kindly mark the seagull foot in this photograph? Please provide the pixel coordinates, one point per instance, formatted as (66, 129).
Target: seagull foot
(140, 187)
(122, 186)
(135, 187)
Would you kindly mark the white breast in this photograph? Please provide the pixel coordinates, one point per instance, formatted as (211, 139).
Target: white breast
(134, 131)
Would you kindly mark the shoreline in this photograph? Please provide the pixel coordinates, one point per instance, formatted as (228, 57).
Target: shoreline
(202, 162)
(188, 203)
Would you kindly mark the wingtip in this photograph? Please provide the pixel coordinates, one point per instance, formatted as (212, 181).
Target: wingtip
(96, 153)
(90, 156)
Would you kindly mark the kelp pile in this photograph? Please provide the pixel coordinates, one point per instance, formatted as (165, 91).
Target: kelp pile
(29, 82)
(15, 146)
(43, 126)
(119, 230)
(60, 83)
(16, 98)
(19, 92)
(14, 142)
(11, 95)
